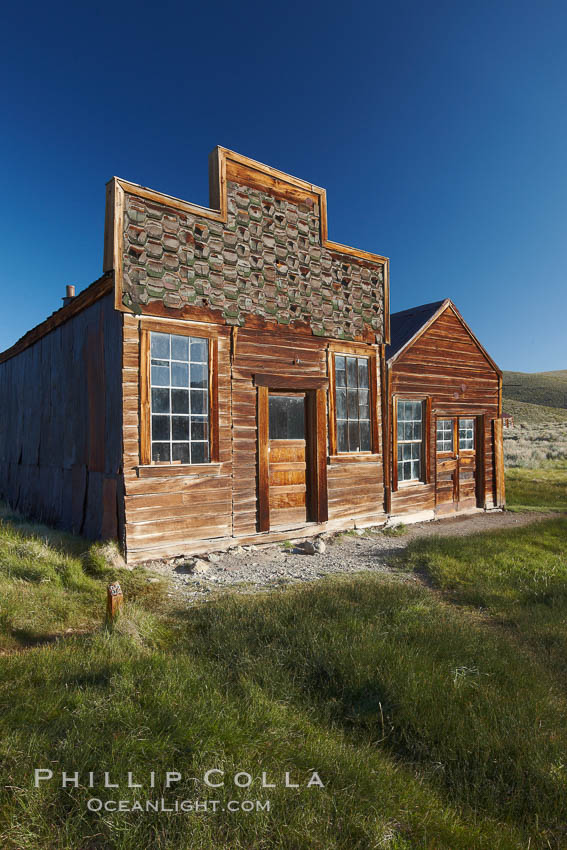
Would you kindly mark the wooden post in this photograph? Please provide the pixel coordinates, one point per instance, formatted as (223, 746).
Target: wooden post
(263, 461)
(498, 463)
(114, 600)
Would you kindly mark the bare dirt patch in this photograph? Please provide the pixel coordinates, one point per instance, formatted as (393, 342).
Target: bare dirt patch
(252, 569)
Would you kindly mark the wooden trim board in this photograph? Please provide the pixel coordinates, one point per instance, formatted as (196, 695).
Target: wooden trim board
(146, 326)
(289, 382)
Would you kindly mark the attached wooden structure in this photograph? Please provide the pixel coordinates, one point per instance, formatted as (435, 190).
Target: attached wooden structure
(445, 426)
(224, 381)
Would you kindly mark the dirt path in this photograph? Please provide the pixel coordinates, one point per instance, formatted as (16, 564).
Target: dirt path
(250, 569)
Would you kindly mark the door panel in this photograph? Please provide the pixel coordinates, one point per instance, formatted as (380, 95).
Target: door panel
(456, 464)
(446, 484)
(287, 478)
(467, 482)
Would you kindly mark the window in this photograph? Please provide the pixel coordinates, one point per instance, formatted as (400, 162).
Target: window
(286, 417)
(179, 398)
(444, 435)
(352, 399)
(409, 440)
(466, 434)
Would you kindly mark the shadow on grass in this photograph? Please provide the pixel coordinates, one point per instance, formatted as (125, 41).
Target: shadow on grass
(389, 663)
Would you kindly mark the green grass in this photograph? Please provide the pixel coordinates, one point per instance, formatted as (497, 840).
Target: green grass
(543, 488)
(517, 578)
(397, 530)
(52, 583)
(542, 388)
(431, 723)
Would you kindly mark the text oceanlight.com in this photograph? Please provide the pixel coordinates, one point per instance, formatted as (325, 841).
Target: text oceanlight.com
(95, 804)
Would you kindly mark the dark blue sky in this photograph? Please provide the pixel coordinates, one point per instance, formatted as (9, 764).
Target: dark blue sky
(438, 130)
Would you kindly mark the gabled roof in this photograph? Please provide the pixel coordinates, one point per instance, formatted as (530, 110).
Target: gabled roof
(407, 326)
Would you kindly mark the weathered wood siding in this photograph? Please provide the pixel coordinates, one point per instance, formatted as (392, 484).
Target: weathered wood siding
(168, 513)
(446, 364)
(356, 482)
(60, 428)
(261, 352)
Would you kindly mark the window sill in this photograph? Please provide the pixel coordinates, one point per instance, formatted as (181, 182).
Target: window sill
(354, 457)
(169, 470)
(402, 485)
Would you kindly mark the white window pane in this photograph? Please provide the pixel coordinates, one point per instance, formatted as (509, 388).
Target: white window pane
(199, 376)
(160, 345)
(161, 452)
(160, 376)
(365, 436)
(179, 375)
(199, 402)
(342, 435)
(199, 452)
(160, 400)
(180, 452)
(160, 427)
(362, 372)
(180, 401)
(180, 428)
(179, 347)
(199, 350)
(352, 372)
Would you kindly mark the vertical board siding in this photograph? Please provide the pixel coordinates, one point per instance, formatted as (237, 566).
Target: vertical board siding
(446, 364)
(60, 430)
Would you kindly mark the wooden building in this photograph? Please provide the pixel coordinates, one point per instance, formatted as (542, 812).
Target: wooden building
(224, 382)
(444, 410)
(220, 383)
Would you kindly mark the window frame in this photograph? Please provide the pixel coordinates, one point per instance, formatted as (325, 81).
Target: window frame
(146, 328)
(344, 350)
(451, 452)
(425, 475)
(472, 450)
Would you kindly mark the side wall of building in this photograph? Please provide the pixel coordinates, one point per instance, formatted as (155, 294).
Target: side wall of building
(447, 365)
(60, 428)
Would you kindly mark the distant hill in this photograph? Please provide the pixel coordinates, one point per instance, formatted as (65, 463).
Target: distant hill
(533, 414)
(548, 389)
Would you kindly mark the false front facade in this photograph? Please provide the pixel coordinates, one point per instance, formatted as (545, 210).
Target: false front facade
(235, 359)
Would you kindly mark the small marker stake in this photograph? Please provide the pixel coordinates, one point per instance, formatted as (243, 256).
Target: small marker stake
(114, 600)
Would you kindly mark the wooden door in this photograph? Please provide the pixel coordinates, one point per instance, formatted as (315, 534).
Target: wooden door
(287, 462)
(456, 464)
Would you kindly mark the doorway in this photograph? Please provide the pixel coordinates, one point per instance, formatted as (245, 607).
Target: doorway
(292, 453)
(287, 459)
(456, 463)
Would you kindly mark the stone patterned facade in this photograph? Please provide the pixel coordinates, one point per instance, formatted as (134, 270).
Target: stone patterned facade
(267, 260)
